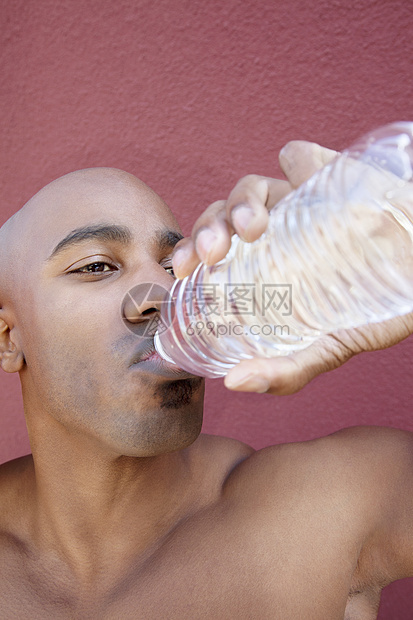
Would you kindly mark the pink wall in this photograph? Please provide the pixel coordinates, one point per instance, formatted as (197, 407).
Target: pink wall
(190, 95)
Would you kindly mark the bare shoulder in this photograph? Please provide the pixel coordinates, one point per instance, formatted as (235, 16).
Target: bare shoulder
(361, 468)
(221, 456)
(15, 480)
(225, 445)
(14, 469)
(358, 450)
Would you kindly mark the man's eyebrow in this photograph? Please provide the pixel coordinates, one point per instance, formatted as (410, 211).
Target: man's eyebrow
(111, 232)
(168, 238)
(102, 232)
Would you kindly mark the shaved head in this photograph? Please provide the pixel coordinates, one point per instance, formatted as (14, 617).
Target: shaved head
(67, 260)
(63, 200)
(9, 259)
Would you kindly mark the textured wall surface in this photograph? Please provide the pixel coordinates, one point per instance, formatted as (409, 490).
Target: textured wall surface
(191, 95)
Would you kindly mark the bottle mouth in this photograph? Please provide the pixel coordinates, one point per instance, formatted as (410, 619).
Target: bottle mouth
(160, 350)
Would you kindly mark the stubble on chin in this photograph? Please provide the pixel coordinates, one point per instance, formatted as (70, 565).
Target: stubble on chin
(178, 394)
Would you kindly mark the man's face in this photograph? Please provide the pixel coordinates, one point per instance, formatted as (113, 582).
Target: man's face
(88, 239)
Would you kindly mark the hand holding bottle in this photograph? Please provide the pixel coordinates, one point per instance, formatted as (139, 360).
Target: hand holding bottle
(246, 213)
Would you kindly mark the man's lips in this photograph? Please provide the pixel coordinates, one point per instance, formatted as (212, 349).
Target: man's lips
(145, 352)
(153, 354)
(149, 360)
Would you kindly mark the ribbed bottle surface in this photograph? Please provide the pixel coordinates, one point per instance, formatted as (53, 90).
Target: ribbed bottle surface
(338, 253)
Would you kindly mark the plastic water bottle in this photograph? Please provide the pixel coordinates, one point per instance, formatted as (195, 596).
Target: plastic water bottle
(338, 253)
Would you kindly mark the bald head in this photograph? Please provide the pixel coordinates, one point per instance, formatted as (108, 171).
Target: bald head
(82, 197)
(68, 258)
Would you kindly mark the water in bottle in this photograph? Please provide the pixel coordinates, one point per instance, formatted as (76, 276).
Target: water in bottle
(337, 253)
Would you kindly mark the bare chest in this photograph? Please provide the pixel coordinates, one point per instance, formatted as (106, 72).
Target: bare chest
(198, 581)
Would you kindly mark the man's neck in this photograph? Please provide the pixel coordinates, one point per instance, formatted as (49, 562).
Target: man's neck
(89, 502)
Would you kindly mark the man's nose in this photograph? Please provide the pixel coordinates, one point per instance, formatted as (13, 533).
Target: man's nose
(143, 302)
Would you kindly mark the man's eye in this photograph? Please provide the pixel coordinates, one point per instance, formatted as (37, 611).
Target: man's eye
(169, 269)
(94, 268)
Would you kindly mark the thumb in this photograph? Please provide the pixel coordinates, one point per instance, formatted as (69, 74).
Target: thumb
(286, 374)
(299, 160)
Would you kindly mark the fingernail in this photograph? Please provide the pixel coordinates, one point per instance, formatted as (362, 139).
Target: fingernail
(250, 381)
(285, 154)
(178, 258)
(204, 243)
(242, 216)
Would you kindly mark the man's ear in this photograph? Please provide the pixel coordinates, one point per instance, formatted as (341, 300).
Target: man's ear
(11, 356)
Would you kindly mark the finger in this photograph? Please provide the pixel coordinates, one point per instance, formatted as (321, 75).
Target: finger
(249, 201)
(184, 258)
(278, 376)
(277, 190)
(286, 374)
(211, 234)
(299, 160)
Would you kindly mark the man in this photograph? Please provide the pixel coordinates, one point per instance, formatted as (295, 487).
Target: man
(124, 511)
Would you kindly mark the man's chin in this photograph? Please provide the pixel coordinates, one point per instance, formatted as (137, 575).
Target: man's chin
(180, 393)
